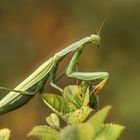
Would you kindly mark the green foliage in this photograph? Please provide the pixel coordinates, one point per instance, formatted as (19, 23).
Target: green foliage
(44, 133)
(98, 118)
(78, 132)
(4, 134)
(109, 132)
(53, 121)
(93, 129)
(72, 106)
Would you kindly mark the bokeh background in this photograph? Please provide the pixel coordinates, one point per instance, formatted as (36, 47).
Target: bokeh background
(31, 31)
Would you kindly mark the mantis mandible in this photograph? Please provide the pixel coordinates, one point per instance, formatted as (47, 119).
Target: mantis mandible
(33, 84)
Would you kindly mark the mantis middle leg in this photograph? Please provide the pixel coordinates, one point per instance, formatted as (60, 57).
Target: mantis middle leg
(53, 79)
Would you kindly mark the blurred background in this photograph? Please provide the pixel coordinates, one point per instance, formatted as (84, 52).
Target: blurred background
(31, 31)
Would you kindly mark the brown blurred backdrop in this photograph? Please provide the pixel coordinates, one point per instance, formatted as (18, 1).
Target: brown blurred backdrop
(31, 31)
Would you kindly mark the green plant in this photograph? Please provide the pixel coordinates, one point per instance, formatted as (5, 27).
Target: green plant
(75, 106)
(4, 134)
(92, 129)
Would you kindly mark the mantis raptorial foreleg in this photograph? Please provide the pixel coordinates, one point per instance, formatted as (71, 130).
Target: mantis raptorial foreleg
(86, 75)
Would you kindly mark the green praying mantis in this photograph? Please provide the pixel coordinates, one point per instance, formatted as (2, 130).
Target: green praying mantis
(35, 83)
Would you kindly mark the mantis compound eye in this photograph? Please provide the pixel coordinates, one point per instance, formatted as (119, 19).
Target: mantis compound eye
(95, 40)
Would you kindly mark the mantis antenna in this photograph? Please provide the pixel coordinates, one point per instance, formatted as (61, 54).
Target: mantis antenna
(103, 22)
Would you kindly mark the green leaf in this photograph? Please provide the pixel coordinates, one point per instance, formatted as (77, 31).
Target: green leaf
(44, 133)
(74, 95)
(56, 103)
(110, 132)
(78, 132)
(73, 105)
(98, 118)
(4, 134)
(79, 115)
(53, 121)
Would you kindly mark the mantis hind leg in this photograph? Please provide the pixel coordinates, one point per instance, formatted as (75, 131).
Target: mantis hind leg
(18, 91)
(38, 87)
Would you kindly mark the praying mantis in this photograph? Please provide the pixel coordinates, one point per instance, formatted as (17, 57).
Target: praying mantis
(35, 83)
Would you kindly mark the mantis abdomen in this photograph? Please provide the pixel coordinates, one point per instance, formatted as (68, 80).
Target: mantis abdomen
(27, 89)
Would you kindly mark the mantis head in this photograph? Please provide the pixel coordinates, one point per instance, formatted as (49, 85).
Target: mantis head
(95, 40)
